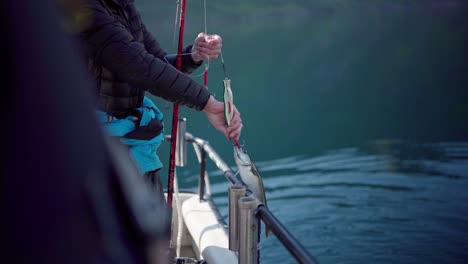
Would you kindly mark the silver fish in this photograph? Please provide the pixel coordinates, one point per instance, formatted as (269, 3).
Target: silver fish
(250, 176)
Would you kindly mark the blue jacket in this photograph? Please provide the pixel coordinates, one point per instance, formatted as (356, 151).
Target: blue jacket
(143, 152)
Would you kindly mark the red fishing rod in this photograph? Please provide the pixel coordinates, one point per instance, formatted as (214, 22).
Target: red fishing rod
(175, 113)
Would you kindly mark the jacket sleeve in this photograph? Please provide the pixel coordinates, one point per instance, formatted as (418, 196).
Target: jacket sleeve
(152, 45)
(110, 45)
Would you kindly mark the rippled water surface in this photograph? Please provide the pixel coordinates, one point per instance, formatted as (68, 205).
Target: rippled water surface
(381, 203)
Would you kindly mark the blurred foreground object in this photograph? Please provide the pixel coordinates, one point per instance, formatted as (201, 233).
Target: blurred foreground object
(69, 198)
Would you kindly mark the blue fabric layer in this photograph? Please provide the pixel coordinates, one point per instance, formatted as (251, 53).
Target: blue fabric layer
(143, 152)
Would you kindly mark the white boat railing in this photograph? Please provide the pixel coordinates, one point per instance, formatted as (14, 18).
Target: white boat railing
(245, 212)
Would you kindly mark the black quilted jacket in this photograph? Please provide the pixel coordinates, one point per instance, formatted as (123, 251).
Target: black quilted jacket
(127, 61)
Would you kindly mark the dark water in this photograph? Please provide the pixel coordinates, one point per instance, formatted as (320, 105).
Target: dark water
(387, 203)
(356, 112)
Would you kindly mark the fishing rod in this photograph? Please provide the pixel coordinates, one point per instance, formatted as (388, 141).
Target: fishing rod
(175, 113)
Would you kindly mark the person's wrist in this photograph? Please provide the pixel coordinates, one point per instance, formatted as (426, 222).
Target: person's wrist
(195, 55)
(213, 105)
(209, 104)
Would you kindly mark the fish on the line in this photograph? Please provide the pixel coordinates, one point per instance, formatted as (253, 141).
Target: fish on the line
(247, 169)
(250, 176)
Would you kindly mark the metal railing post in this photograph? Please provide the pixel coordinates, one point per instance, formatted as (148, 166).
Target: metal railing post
(201, 180)
(181, 143)
(248, 231)
(235, 192)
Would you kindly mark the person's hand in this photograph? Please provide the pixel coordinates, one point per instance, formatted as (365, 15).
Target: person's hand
(215, 112)
(206, 47)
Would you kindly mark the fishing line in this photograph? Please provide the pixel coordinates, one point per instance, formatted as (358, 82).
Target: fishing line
(204, 13)
(205, 73)
(207, 64)
(175, 23)
(207, 61)
(224, 67)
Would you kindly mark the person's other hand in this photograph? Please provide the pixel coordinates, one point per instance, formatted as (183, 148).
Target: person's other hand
(206, 47)
(215, 112)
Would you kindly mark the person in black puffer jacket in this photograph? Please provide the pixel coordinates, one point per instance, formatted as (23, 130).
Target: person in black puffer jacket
(127, 61)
